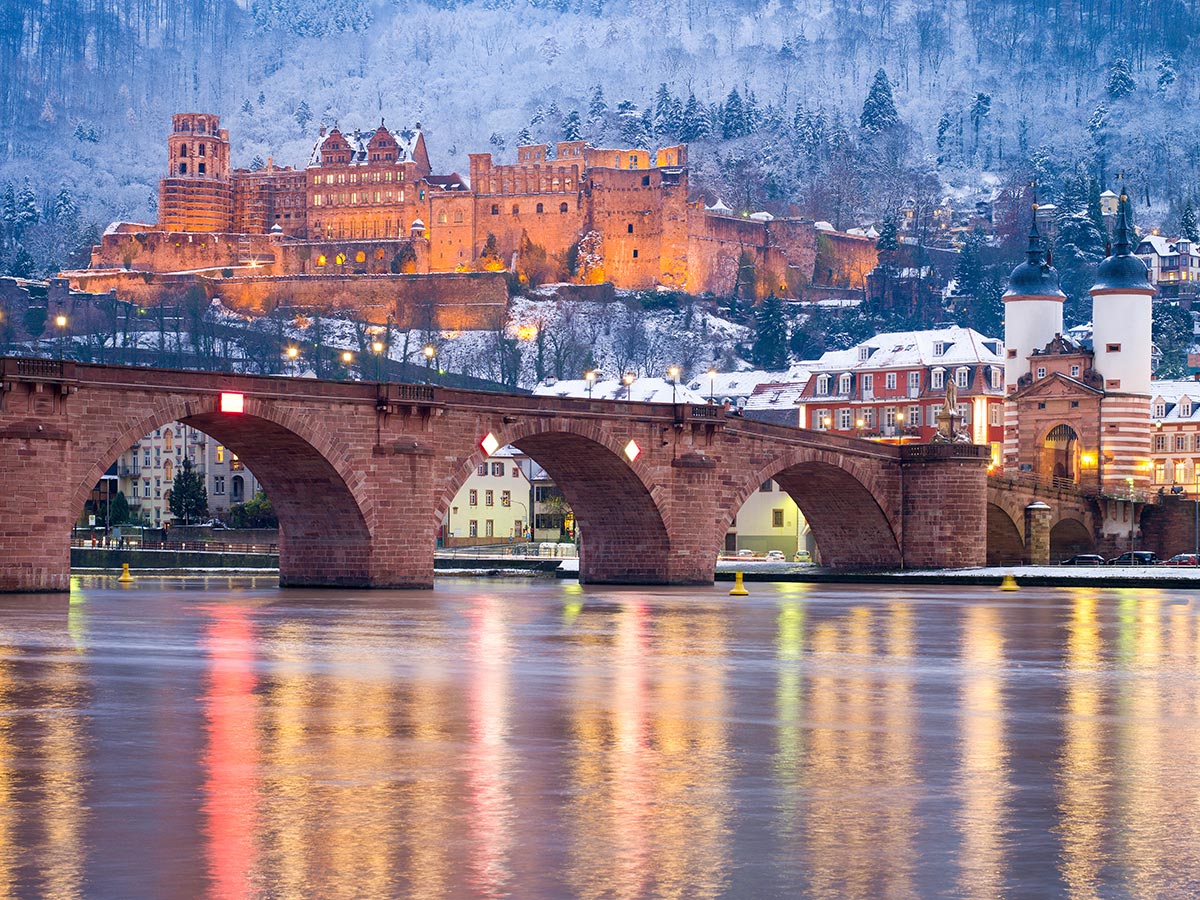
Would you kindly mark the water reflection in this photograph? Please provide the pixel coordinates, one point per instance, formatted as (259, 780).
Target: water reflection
(539, 740)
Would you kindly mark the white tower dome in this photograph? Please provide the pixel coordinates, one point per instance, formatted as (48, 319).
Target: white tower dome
(1033, 310)
(1121, 314)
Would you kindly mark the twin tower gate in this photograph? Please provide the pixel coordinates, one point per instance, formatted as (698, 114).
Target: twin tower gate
(361, 474)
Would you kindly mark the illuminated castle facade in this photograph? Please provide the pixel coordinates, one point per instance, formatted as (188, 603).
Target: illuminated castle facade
(369, 203)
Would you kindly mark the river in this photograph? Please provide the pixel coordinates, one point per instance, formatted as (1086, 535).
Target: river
(535, 739)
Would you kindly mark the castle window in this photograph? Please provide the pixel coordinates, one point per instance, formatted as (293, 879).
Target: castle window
(629, 228)
(317, 200)
(1041, 371)
(316, 179)
(635, 254)
(321, 260)
(341, 177)
(377, 196)
(387, 176)
(645, 181)
(354, 178)
(458, 217)
(442, 217)
(562, 207)
(183, 168)
(202, 149)
(633, 162)
(182, 150)
(539, 209)
(495, 209)
(516, 210)
(1074, 371)
(200, 168)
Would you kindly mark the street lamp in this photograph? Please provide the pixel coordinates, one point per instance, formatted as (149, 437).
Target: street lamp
(292, 354)
(673, 374)
(590, 377)
(1132, 507)
(712, 386)
(429, 352)
(629, 379)
(61, 321)
(377, 349)
(900, 427)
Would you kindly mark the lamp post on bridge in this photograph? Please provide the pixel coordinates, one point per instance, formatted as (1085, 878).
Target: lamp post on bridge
(629, 379)
(673, 374)
(590, 377)
(430, 352)
(712, 386)
(61, 321)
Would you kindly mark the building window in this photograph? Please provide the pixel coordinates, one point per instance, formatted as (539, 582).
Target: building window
(914, 381)
(458, 215)
(1041, 371)
(863, 353)
(506, 498)
(997, 374)
(489, 528)
(964, 413)
(498, 469)
(766, 487)
(889, 416)
(495, 209)
(146, 457)
(1181, 442)
(473, 498)
(939, 348)
(1160, 409)
(562, 207)
(516, 210)
(937, 379)
(890, 381)
(820, 419)
(1074, 371)
(961, 377)
(183, 168)
(200, 168)
(868, 417)
(539, 209)
(777, 518)
(473, 528)
(843, 384)
(914, 416)
(1112, 348)
(1160, 472)
(994, 413)
(1160, 442)
(635, 254)
(218, 484)
(867, 381)
(489, 498)
(1012, 354)
(1185, 409)
(822, 385)
(629, 228)
(845, 418)
(482, 470)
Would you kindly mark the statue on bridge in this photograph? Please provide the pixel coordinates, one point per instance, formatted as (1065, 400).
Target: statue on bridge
(949, 419)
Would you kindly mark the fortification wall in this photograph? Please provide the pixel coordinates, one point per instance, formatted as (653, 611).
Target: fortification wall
(176, 251)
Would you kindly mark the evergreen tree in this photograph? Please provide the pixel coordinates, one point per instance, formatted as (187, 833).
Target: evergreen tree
(1166, 72)
(980, 278)
(189, 497)
(524, 138)
(693, 125)
(770, 348)
(303, 115)
(597, 107)
(879, 109)
(1094, 210)
(1187, 223)
(118, 512)
(1171, 331)
(981, 107)
(65, 212)
(572, 128)
(888, 237)
(247, 109)
(262, 98)
(733, 116)
(257, 163)
(1120, 79)
(943, 139)
(25, 209)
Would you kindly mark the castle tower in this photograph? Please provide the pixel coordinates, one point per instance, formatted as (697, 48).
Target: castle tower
(1121, 317)
(196, 195)
(1033, 310)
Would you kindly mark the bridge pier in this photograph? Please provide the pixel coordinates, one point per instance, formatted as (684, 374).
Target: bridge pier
(944, 502)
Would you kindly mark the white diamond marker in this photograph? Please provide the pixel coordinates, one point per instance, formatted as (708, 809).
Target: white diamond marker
(632, 450)
(489, 444)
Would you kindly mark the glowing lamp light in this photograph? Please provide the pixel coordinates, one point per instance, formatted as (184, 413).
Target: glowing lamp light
(526, 332)
(489, 444)
(232, 402)
(632, 450)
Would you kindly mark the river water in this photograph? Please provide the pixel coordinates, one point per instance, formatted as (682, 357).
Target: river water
(534, 739)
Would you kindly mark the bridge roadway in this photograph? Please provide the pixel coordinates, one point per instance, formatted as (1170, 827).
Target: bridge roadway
(362, 473)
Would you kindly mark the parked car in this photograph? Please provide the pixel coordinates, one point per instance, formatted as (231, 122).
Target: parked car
(802, 556)
(744, 552)
(1183, 559)
(776, 556)
(1084, 559)
(1135, 558)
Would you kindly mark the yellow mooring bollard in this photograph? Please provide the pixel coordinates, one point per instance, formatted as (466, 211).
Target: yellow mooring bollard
(739, 589)
(1009, 583)
(125, 576)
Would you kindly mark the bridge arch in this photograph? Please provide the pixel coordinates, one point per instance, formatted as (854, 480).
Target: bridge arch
(1005, 537)
(1068, 537)
(839, 497)
(623, 516)
(324, 521)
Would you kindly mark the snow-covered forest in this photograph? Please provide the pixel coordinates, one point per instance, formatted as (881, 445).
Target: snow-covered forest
(770, 93)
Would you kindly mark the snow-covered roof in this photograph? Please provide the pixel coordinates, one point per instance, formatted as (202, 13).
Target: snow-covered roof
(762, 216)
(824, 226)
(897, 349)
(719, 208)
(739, 386)
(643, 390)
(1107, 194)
(776, 396)
(1171, 392)
(406, 139)
(1159, 245)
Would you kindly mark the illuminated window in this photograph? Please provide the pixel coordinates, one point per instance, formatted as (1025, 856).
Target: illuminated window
(220, 454)
(441, 217)
(316, 179)
(321, 260)
(317, 200)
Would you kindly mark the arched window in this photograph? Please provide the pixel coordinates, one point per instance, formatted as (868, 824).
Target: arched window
(169, 441)
(182, 150)
(562, 207)
(169, 471)
(442, 217)
(458, 217)
(516, 210)
(539, 209)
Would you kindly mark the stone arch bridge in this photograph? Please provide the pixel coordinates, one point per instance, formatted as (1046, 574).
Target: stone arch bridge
(362, 473)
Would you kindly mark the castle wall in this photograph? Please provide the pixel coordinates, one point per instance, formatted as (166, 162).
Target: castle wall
(174, 251)
(628, 207)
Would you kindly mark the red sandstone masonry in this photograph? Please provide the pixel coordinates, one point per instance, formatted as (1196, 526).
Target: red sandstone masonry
(360, 473)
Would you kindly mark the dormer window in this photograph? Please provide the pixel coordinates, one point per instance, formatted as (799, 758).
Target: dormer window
(844, 384)
(939, 348)
(864, 353)
(822, 385)
(961, 376)
(1160, 408)
(1185, 408)
(937, 379)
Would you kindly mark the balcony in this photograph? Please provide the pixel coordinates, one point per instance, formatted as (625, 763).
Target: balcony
(127, 470)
